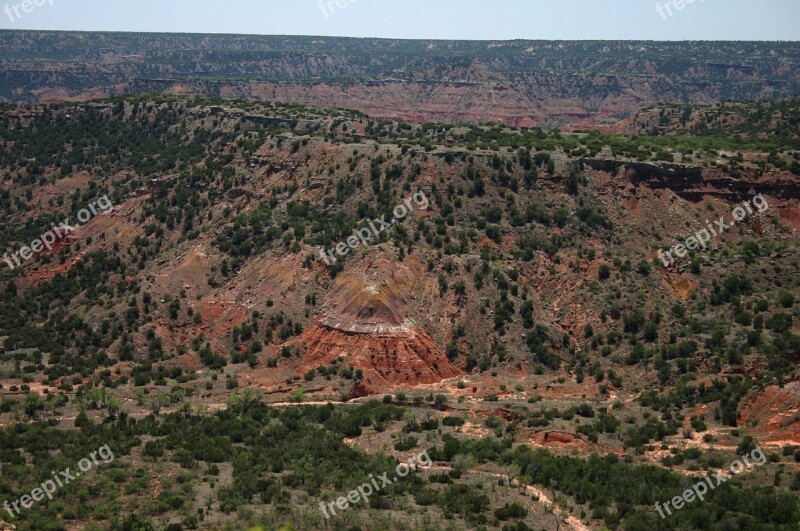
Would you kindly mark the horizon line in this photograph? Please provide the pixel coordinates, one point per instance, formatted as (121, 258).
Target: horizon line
(521, 39)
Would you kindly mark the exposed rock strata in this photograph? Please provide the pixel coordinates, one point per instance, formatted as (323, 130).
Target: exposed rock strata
(387, 360)
(693, 183)
(366, 324)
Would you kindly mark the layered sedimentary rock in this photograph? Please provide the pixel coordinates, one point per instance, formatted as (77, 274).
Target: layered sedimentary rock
(773, 413)
(387, 360)
(518, 82)
(366, 324)
(693, 183)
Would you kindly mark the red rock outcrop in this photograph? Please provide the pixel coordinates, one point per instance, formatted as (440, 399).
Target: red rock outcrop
(773, 414)
(387, 360)
(366, 324)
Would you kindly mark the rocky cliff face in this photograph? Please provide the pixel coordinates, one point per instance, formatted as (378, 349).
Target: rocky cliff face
(694, 183)
(366, 323)
(521, 83)
(387, 360)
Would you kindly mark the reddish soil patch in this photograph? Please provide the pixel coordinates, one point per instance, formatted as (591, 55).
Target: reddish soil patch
(37, 277)
(773, 414)
(790, 215)
(218, 319)
(681, 286)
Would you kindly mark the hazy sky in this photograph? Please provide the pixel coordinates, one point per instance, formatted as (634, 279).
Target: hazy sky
(439, 19)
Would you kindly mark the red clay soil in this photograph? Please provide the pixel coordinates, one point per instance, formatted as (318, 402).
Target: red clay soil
(681, 285)
(773, 414)
(387, 360)
(790, 215)
(218, 319)
(36, 277)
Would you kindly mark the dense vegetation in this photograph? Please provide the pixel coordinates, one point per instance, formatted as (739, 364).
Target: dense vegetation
(282, 456)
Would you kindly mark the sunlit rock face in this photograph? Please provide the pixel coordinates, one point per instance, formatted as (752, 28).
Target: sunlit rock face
(366, 323)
